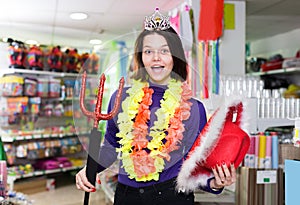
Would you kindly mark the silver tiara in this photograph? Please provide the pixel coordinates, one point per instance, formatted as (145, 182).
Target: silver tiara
(157, 21)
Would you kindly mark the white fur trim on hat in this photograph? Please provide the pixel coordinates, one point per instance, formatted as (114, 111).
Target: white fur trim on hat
(209, 137)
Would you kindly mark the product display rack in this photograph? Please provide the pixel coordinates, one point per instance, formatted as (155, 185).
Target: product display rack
(264, 123)
(37, 72)
(15, 137)
(277, 71)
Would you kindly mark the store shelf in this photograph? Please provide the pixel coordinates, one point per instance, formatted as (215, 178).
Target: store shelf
(43, 172)
(12, 178)
(10, 138)
(265, 123)
(37, 72)
(277, 71)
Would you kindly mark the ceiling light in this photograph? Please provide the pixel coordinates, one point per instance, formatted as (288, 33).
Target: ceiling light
(31, 42)
(78, 16)
(95, 41)
(98, 47)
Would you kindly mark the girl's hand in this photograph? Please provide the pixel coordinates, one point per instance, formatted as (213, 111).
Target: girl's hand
(82, 182)
(223, 176)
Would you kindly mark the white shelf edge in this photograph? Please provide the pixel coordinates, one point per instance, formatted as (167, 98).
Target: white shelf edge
(43, 172)
(264, 123)
(41, 72)
(277, 71)
(7, 138)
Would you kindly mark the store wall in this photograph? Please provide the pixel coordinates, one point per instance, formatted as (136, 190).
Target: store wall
(232, 47)
(287, 44)
(4, 63)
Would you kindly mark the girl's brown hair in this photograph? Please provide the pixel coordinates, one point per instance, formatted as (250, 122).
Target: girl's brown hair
(177, 52)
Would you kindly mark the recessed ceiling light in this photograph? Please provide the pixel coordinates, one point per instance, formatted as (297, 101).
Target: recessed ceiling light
(78, 16)
(31, 42)
(98, 47)
(95, 41)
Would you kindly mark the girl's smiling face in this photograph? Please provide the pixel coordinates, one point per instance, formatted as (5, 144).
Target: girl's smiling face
(157, 59)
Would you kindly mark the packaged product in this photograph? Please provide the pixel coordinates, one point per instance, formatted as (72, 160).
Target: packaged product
(11, 85)
(30, 87)
(54, 88)
(42, 87)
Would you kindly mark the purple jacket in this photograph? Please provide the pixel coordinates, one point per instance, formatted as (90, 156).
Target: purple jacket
(193, 127)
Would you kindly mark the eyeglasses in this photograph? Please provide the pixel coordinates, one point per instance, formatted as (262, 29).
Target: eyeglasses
(163, 51)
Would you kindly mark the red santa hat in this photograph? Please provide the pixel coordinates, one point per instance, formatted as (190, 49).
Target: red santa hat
(222, 140)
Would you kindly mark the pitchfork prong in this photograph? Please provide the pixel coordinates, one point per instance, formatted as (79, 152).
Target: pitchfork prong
(82, 97)
(97, 115)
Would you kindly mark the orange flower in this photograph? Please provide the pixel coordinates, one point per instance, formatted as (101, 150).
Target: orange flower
(143, 163)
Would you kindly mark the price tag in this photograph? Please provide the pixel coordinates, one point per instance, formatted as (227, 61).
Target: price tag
(266, 177)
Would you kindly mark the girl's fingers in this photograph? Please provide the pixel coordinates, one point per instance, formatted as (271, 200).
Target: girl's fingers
(221, 174)
(98, 179)
(82, 182)
(233, 173)
(217, 178)
(227, 174)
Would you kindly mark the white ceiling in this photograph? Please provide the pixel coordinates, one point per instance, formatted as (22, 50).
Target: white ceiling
(48, 22)
(266, 18)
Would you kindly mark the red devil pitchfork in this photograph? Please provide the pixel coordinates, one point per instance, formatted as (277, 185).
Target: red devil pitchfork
(95, 136)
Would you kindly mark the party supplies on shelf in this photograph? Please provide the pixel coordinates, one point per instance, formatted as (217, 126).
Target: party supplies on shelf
(296, 137)
(11, 85)
(54, 88)
(30, 87)
(42, 87)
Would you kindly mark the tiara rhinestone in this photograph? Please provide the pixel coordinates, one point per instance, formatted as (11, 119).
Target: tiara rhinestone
(157, 21)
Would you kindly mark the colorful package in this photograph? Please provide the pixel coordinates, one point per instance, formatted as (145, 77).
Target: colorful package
(42, 87)
(54, 88)
(30, 87)
(11, 85)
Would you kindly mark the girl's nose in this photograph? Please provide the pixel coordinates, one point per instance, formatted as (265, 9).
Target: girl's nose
(156, 56)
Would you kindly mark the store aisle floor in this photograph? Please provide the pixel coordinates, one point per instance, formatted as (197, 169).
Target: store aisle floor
(66, 195)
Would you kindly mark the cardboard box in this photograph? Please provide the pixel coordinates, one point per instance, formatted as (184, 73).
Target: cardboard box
(288, 151)
(31, 186)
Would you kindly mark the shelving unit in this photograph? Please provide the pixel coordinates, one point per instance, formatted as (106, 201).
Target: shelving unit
(264, 123)
(36, 72)
(13, 136)
(277, 71)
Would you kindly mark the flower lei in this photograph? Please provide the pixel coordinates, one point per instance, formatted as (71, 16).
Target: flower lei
(145, 165)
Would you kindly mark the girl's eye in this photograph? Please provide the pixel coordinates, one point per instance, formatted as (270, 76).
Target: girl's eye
(165, 51)
(147, 51)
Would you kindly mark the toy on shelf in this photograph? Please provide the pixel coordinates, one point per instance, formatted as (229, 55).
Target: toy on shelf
(84, 62)
(55, 59)
(72, 60)
(17, 54)
(90, 63)
(35, 58)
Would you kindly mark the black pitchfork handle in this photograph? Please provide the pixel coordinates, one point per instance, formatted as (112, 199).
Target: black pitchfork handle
(92, 164)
